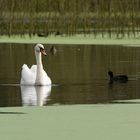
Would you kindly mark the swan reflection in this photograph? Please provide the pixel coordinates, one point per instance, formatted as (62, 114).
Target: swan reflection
(35, 95)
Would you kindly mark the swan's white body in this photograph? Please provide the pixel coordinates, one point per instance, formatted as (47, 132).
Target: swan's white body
(36, 74)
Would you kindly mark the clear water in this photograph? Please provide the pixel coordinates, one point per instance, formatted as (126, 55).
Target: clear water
(78, 73)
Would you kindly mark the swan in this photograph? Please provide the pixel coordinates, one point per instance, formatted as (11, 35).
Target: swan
(117, 78)
(36, 74)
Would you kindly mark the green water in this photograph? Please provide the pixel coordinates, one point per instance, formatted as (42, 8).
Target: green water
(78, 73)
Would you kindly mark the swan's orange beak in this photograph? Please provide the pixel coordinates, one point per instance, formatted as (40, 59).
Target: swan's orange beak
(43, 52)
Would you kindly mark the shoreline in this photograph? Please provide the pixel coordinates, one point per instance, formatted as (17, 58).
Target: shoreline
(77, 39)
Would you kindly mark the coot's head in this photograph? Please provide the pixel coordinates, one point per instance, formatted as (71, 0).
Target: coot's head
(110, 73)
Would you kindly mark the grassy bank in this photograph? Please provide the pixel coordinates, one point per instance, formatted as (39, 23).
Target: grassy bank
(77, 39)
(98, 122)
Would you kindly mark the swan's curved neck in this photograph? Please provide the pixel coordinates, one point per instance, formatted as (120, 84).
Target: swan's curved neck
(39, 60)
(39, 68)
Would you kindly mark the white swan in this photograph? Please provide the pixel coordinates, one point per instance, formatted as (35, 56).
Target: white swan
(36, 74)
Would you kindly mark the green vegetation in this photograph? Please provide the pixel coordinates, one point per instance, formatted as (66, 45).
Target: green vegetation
(69, 17)
(75, 39)
(75, 122)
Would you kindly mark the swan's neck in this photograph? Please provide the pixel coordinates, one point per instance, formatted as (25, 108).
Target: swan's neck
(38, 61)
(39, 69)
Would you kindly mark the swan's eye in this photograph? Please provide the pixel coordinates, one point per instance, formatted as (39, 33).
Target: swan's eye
(41, 49)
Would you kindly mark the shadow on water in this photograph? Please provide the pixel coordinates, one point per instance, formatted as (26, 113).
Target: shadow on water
(12, 113)
(80, 70)
(124, 102)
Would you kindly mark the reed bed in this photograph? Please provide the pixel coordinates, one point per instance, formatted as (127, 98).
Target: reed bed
(119, 18)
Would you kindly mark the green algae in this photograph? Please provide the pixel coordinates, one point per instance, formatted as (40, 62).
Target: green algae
(75, 122)
(77, 39)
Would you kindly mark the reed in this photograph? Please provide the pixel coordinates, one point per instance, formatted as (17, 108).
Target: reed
(34, 17)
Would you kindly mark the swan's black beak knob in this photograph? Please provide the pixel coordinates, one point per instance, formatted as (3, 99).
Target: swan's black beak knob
(43, 51)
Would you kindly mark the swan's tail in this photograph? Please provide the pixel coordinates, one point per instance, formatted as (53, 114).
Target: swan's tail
(24, 66)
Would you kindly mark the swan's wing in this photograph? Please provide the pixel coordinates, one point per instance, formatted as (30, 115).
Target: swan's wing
(28, 76)
(34, 68)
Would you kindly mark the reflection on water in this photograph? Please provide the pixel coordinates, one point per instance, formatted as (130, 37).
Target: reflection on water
(80, 71)
(35, 95)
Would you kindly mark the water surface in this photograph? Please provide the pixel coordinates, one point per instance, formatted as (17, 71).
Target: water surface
(78, 73)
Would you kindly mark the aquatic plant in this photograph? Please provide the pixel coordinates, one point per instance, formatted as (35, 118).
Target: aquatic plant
(98, 17)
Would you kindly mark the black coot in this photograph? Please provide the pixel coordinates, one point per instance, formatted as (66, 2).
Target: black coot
(117, 78)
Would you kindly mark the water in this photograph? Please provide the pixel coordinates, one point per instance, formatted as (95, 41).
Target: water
(78, 73)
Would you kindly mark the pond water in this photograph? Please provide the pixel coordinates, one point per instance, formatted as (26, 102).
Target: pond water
(78, 73)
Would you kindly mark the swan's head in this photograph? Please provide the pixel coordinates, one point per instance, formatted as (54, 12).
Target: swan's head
(39, 48)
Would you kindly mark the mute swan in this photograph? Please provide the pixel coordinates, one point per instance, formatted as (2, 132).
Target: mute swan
(36, 74)
(117, 78)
